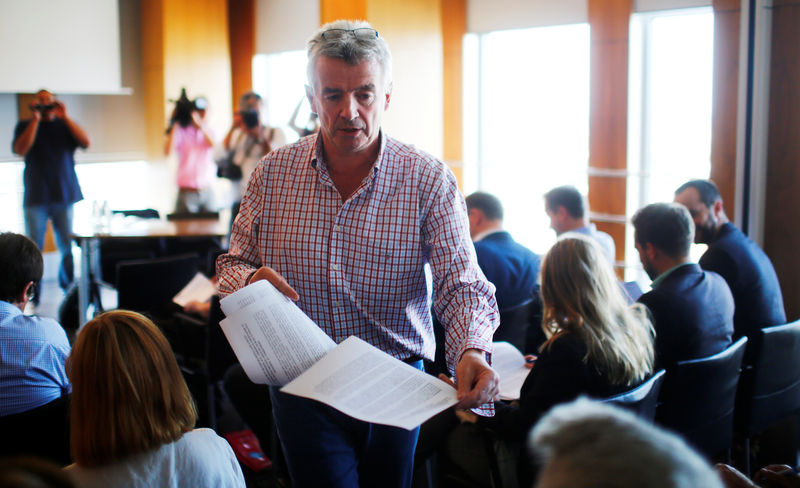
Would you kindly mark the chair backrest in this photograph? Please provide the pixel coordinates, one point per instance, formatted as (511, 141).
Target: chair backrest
(698, 397)
(41, 432)
(770, 391)
(514, 324)
(144, 213)
(148, 285)
(641, 400)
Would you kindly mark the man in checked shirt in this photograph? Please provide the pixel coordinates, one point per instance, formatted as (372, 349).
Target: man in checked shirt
(362, 230)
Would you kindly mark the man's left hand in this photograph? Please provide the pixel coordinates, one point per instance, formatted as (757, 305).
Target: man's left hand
(60, 110)
(477, 383)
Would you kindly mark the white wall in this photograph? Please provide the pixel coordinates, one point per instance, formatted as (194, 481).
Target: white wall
(115, 123)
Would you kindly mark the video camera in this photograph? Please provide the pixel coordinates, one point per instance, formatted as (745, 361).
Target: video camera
(250, 118)
(184, 108)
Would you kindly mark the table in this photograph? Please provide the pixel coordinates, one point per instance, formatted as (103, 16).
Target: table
(88, 236)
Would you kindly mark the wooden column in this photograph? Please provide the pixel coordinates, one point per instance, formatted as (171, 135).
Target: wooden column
(330, 10)
(608, 115)
(242, 35)
(413, 30)
(184, 44)
(454, 27)
(781, 229)
(724, 109)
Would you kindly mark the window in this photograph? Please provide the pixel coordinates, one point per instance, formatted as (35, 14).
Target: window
(280, 79)
(669, 121)
(526, 121)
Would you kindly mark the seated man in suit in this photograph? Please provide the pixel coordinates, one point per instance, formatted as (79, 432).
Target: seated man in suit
(692, 309)
(748, 271)
(511, 267)
(567, 211)
(32, 349)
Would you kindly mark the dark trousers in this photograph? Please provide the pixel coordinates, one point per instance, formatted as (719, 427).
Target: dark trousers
(324, 447)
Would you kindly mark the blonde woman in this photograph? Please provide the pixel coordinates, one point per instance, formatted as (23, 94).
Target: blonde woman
(597, 345)
(132, 415)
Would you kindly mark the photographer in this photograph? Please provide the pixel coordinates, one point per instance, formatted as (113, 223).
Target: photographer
(247, 141)
(48, 141)
(193, 141)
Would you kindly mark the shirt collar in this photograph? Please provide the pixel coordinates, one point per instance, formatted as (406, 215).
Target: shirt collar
(485, 234)
(660, 278)
(9, 308)
(317, 161)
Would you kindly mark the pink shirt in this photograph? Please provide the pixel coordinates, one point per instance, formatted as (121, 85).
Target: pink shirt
(369, 266)
(196, 168)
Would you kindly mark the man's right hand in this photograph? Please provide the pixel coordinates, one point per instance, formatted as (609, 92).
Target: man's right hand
(278, 281)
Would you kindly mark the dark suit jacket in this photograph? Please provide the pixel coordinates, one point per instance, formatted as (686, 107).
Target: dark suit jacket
(751, 278)
(511, 267)
(692, 311)
(560, 375)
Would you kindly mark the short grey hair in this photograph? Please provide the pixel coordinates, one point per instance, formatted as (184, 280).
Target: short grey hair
(586, 444)
(350, 49)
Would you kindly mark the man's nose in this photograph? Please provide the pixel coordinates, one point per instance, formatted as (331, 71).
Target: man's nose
(350, 108)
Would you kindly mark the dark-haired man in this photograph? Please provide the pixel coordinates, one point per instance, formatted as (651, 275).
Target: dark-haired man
(692, 309)
(748, 271)
(567, 211)
(511, 267)
(32, 349)
(48, 141)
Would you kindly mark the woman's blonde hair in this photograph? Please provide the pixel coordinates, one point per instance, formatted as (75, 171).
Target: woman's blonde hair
(128, 395)
(581, 296)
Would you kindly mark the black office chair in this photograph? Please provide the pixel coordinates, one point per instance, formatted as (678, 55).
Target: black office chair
(514, 324)
(41, 432)
(204, 355)
(698, 396)
(112, 251)
(148, 285)
(193, 216)
(641, 400)
(769, 390)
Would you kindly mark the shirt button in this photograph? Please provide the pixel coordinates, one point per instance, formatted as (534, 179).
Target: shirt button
(336, 304)
(337, 228)
(335, 267)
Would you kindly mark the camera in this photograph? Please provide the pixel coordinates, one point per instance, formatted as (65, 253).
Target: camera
(38, 107)
(184, 108)
(250, 118)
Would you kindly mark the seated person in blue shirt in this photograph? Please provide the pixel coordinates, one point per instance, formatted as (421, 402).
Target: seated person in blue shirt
(33, 350)
(567, 210)
(692, 309)
(511, 267)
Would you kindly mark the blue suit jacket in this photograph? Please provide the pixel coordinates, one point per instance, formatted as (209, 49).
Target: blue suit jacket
(751, 278)
(511, 267)
(692, 312)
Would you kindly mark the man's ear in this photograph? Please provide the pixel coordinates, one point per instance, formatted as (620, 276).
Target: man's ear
(388, 95)
(650, 250)
(716, 208)
(27, 293)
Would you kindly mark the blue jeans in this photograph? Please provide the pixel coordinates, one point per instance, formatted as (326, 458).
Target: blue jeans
(324, 447)
(60, 214)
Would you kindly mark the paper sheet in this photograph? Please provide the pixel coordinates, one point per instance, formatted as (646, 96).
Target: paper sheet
(510, 365)
(366, 383)
(200, 289)
(272, 338)
(277, 344)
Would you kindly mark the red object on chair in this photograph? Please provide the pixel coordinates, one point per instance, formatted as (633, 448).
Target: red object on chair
(247, 449)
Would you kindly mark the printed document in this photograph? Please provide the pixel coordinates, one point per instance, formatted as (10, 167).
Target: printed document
(199, 289)
(510, 365)
(277, 344)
